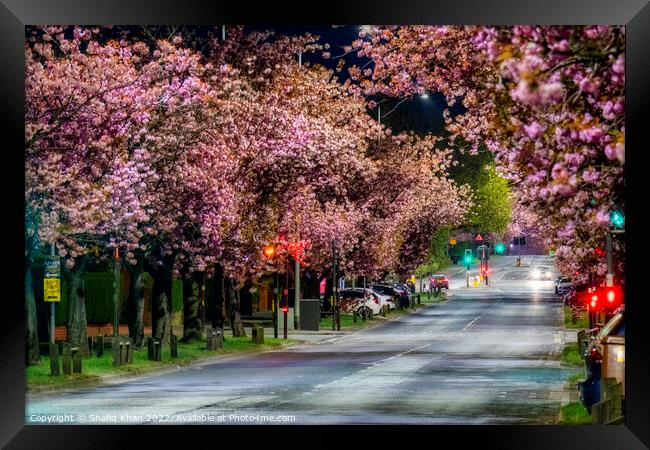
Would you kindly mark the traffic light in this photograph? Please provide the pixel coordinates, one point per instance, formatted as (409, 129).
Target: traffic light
(613, 296)
(500, 248)
(593, 303)
(599, 251)
(617, 219)
(468, 259)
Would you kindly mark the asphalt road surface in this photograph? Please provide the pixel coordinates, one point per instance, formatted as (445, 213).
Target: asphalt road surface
(483, 357)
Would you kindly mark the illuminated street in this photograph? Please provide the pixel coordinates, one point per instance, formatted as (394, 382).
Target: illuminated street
(484, 356)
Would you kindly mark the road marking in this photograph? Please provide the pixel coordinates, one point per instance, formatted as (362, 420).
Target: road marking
(470, 324)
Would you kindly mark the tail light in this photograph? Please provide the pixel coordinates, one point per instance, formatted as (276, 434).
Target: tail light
(595, 355)
(594, 301)
(376, 301)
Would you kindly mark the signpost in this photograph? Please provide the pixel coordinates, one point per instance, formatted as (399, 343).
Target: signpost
(52, 286)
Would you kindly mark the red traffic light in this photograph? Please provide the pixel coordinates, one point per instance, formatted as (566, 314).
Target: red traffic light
(594, 301)
(599, 251)
(285, 309)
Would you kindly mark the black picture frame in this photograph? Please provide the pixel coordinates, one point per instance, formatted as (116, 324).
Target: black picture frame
(635, 14)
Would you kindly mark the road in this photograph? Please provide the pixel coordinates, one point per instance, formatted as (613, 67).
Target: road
(483, 357)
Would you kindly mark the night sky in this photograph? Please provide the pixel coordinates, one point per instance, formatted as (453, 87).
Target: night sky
(416, 114)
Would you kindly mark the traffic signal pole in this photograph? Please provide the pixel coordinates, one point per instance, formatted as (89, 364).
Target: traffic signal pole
(610, 274)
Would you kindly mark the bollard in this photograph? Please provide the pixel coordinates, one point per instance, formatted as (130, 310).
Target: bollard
(363, 315)
(122, 352)
(67, 359)
(173, 346)
(151, 354)
(354, 317)
(418, 299)
(157, 349)
(76, 359)
(99, 347)
(257, 334)
(91, 346)
(383, 311)
(211, 339)
(208, 339)
(370, 314)
(218, 338)
(129, 351)
(115, 351)
(54, 360)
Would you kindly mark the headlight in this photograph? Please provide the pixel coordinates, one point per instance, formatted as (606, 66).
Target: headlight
(549, 274)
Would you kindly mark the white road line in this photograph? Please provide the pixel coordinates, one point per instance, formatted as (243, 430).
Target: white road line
(470, 324)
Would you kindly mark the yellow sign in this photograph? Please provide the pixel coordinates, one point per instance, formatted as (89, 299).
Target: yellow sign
(413, 279)
(452, 241)
(52, 290)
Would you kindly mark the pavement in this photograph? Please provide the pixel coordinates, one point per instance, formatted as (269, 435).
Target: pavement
(486, 356)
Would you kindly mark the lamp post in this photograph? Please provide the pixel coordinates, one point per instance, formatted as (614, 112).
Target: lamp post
(285, 297)
(116, 292)
(269, 253)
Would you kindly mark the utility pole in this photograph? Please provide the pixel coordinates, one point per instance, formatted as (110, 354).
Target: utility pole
(610, 269)
(275, 305)
(610, 273)
(52, 307)
(296, 320)
(116, 292)
(285, 298)
(336, 320)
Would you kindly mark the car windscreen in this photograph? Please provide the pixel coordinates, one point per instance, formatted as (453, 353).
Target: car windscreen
(612, 327)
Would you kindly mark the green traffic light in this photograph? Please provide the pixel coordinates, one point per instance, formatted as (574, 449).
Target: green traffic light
(500, 248)
(468, 260)
(617, 219)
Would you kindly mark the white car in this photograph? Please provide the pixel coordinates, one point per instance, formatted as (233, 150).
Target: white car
(383, 298)
(563, 285)
(352, 300)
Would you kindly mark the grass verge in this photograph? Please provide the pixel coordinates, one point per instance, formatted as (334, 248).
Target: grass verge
(346, 322)
(93, 368)
(575, 377)
(582, 322)
(571, 356)
(574, 414)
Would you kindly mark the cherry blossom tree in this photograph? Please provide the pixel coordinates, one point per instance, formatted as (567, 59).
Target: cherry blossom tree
(548, 101)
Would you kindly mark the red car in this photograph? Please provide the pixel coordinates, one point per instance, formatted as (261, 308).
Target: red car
(440, 281)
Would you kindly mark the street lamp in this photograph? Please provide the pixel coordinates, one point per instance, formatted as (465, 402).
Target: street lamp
(269, 253)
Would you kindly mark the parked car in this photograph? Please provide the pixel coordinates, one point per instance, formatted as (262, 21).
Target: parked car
(386, 289)
(599, 361)
(384, 299)
(563, 285)
(353, 301)
(404, 294)
(439, 280)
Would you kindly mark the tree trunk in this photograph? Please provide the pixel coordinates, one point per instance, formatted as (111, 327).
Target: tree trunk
(161, 303)
(191, 322)
(77, 324)
(136, 302)
(217, 301)
(235, 317)
(32, 354)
